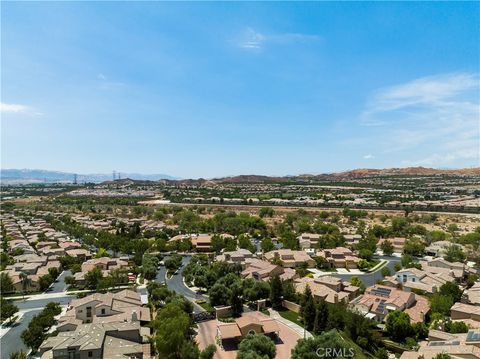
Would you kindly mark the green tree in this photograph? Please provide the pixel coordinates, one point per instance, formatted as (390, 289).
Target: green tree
(258, 344)
(266, 212)
(387, 247)
(451, 289)
(308, 348)
(308, 309)
(44, 281)
(102, 252)
(25, 281)
(276, 291)
(441, 304)
(398, 325)
(219, 294)
(267, 245)
(414, 247)
(18, 355)
(321, 317)
(208, 352)
(454, 253)
(6, 284)
(7, 309)
(357, 282)
(93, 278)
(172, 327)
(236, 299)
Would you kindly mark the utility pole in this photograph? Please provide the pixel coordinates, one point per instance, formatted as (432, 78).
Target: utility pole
(114, 172)
(75, 178)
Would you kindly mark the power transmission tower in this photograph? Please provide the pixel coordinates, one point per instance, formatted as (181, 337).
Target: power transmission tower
(75, 178)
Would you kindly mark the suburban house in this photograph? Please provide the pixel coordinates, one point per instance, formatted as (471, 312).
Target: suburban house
(263, 270)
(380, 300)
(470, 314)
(352, 239)
(439, 265)
(463, 345)
(99, 340)
(472, 295)
(328, 288)
(413, 278)
(397, 242)
(238, 256)
(105, 264)
(245, 325)
(339, 257)
(35, 269)
(104, 308)
(439, 248)
(289, 258)
(308, 240)
(200, 242)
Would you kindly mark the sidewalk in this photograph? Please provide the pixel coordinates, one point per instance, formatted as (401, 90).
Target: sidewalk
(295, 327)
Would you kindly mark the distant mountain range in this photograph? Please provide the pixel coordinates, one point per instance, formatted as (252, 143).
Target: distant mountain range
(41, 176)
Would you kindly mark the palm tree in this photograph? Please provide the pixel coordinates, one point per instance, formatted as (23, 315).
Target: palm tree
(26, 282)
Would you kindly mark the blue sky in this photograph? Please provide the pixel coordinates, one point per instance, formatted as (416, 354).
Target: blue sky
(214, 89)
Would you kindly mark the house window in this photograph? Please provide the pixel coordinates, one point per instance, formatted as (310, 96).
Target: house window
(89, 311)
(103, 310)
(413, 279)
(90, 354)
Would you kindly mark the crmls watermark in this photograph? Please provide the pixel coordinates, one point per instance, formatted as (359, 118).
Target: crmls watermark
(335, 352)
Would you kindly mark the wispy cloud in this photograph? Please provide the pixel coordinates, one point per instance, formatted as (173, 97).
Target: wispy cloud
(368, 157)
(107, 84)
(253, 39)
(434, 120)
(13, 108)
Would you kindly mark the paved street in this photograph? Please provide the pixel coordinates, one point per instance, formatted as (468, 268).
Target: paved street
(176, 283)
(59, 285)
(11, 342)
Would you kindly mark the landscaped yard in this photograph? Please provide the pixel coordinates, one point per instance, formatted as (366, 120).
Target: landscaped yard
(290, 315)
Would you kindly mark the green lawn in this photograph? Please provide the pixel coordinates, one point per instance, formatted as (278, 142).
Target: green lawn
(206, 306)
(290, 315)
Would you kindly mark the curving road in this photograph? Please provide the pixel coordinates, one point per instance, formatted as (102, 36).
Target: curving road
(176, 284)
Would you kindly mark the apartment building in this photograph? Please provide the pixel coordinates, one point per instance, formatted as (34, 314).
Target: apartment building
(289, 258)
